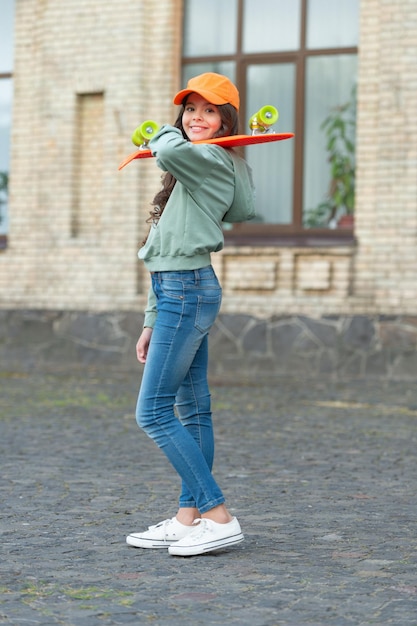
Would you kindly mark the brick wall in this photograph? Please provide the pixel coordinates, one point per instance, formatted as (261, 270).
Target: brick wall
(386, 216)
(87, 73)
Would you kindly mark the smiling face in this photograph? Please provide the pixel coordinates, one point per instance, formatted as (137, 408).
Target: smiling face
(200, 120)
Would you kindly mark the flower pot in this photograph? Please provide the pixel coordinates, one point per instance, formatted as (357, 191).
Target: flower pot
(346, 221)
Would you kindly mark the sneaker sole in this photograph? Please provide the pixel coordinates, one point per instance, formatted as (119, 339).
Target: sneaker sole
(147, 543)
(205, 547)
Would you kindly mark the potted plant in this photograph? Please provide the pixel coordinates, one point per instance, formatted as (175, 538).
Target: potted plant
(337, 208)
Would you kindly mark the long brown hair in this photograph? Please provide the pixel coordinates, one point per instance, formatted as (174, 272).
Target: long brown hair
(229, 126)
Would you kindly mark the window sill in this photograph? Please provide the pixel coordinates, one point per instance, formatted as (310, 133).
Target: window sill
(328, 239)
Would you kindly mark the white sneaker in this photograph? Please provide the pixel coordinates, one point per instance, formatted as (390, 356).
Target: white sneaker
(161, 535)
(207, 536)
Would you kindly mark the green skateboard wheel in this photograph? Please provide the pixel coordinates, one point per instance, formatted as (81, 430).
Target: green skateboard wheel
(268, 115)
(137, 138)
(263, 119)
(143, 133)
(148, 129)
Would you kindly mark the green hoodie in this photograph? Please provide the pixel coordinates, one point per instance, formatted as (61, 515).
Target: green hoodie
(214, 185)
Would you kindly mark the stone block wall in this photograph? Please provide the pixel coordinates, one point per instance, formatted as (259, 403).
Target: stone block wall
(243, 349)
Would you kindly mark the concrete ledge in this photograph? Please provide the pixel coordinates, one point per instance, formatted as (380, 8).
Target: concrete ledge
(243, 348)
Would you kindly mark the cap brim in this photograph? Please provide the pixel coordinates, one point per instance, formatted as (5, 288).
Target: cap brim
(208, 95)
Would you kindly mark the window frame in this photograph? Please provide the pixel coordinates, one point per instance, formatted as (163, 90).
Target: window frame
(3, 237)
(7, 75)
(294, 233)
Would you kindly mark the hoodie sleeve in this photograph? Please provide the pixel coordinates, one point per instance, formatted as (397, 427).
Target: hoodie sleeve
(243, 205)
(189, 163)
(150, 311)
(193, 164)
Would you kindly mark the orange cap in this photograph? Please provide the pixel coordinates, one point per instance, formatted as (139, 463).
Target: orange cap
(215, 88)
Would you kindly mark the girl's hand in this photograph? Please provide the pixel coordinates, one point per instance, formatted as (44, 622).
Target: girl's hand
(143, 345)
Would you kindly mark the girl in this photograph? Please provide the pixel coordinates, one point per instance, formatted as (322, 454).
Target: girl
(204, 185)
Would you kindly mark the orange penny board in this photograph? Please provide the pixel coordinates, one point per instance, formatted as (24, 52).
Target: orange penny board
(226, 142)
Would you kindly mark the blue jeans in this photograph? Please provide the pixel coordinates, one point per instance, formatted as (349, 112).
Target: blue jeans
(175, 374)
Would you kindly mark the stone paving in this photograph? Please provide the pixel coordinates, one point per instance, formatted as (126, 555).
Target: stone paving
(321, 475)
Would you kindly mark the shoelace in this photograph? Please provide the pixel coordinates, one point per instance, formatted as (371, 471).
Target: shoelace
(201, 528)
(164, 525)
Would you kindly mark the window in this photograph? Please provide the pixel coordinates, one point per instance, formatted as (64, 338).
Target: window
(6, 90)
(300, 56)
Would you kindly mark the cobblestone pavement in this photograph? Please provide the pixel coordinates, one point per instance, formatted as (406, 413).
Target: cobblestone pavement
(321, 476)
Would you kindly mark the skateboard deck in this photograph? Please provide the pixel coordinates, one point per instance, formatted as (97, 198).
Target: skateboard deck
(232, 141)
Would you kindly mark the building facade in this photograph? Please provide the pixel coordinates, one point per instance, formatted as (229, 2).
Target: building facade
(86, 73)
